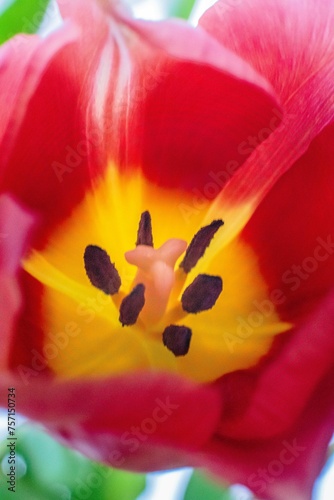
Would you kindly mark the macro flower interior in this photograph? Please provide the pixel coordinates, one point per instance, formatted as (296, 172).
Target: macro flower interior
(166, 251)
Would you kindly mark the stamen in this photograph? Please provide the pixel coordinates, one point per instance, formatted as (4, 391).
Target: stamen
(202, 294)
(199, 244)
(144, 234)
(131, 306)
(177, 339)
(101, 272)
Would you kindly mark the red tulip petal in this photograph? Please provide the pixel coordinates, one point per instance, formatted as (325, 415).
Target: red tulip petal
(195, 139)
(15, 225)
(282, 391)
(161, 77)
(13, 74)
(171, 109)
(126, 421)
(50, 108)
(292, 231)
(288, 465)
(113, 62)
(20, 76)
(297, 59)
(298, 38)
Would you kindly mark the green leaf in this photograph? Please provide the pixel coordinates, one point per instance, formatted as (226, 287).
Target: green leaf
(123, 485)
(180, 8)
(45, 469)
(22, 16)
(200, 487)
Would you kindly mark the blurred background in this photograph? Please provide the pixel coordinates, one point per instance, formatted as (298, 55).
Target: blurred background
(45, 470)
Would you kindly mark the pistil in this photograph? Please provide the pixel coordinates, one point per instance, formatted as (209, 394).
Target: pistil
(156, 272)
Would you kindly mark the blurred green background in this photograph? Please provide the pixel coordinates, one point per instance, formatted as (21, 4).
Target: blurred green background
(45, 470)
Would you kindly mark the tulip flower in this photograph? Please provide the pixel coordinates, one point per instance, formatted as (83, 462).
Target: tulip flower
(174, 301)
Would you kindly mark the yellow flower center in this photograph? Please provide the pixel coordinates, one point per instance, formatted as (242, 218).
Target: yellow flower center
(155, 281)
(111, 305)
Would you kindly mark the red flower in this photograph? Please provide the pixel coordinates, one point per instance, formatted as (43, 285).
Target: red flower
(119, 135)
